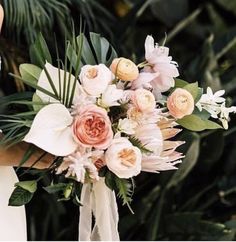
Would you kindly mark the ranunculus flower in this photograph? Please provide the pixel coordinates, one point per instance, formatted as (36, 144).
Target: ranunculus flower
(92, 127)
(143, 100)
(124, 69)
(180, 103)
(123, 159)
(95, 79)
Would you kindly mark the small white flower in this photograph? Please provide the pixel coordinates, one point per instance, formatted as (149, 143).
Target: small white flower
(210, 102)
(110, 97)
(224, 114)
(127, 126)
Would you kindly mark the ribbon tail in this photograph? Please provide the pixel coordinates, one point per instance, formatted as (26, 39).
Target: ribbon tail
(105, 212)
(85, 220)
(98, 200)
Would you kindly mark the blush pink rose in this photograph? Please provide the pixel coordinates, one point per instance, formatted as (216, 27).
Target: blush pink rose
(92, 127)
(180, 103)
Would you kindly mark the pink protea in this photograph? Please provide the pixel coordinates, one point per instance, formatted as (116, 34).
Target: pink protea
(163, 154)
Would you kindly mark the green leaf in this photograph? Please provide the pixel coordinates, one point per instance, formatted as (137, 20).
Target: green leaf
(38, 100)
(188, 162)
(193, 89)
(20, 197)
(30, 186)
(30, 72)
(195, 123)
(110, 180)
(180, 83)
(94, 51)
(39, 52)
(56, 188)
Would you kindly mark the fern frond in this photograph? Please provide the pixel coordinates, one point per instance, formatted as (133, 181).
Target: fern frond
(136, 142)
(125, 191)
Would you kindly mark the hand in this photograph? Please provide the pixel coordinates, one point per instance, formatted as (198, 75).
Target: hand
(13, 155)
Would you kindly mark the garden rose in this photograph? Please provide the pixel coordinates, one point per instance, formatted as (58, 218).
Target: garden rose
(123, 159)
(95, 79)
(180, 103)
(92, 127)
(143, 100)
(124, 69)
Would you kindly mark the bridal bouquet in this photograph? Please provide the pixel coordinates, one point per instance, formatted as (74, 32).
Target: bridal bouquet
(105, 119)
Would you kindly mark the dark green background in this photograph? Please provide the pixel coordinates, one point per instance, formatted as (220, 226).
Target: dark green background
(197, 202)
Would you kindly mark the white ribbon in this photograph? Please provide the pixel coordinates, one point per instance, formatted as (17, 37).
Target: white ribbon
(98, 200)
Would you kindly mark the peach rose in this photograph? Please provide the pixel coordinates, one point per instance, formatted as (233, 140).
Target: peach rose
(92, 127)
(143, 100)
(123, 159)
(124, 69)
(180, 103)
(95, 79)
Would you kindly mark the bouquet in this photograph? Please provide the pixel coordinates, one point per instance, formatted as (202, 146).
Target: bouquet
(105, 120)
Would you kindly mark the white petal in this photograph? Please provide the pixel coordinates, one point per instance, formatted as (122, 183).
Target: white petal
(55, 74)
(51, 130)
(149, 46)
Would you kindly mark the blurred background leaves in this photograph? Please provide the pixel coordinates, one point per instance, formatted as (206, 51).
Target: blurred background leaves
(197, 202)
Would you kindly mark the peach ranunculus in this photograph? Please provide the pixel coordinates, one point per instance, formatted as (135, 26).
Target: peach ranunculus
(92, 127)
(180, 103)
(95, 78)
(143, 100)
(124, 69)
(123, 159)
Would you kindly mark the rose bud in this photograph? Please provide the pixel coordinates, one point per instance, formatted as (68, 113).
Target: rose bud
(124, 69)
(180, 103)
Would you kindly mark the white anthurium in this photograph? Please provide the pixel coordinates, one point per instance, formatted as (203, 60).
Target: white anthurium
(57, 77)
(51, 130)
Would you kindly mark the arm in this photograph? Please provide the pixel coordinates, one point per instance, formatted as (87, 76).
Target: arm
(13, 155)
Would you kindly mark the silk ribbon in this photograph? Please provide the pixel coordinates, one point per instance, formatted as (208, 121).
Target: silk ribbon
(98, 201)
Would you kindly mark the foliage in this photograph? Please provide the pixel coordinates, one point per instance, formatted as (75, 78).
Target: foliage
(197, 202)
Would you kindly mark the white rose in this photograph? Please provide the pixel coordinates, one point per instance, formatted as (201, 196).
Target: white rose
(110, 97)
(95, 79)
(144, 100)
(127, 126)
(123, 159)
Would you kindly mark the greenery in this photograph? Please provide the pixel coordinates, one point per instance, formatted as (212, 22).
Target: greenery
(196, 202)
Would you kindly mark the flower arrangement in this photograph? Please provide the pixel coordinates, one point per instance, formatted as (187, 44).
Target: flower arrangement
(105, 120)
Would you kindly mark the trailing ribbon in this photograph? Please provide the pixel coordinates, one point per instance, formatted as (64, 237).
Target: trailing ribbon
(98, 201)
